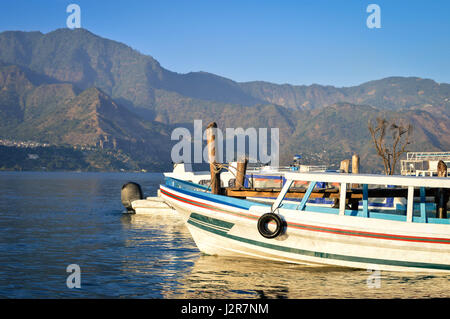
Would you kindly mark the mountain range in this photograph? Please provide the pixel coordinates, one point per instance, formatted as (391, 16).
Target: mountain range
(73, 88)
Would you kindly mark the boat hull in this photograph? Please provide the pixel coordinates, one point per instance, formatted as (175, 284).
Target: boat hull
(150, 205)
(220, 227)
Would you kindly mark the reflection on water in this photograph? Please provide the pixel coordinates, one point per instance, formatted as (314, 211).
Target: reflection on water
(167, 247)
(51, 220)
(219, 277)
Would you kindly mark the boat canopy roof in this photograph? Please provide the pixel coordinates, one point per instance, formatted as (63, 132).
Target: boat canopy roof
(415, 181)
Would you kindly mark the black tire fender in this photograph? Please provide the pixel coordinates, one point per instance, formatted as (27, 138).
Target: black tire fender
(264, 221)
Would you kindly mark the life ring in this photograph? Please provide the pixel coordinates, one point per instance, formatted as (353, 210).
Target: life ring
(264, 221)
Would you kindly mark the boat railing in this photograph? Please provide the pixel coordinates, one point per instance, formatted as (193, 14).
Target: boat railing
(428, 156)
(422, 183)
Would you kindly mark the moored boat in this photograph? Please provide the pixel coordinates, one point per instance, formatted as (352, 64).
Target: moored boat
(424, 163)
(409, 239)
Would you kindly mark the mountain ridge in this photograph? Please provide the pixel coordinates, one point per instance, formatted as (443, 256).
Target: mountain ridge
(74, 87)
(61, 114)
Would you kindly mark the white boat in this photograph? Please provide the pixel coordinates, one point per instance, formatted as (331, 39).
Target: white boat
(424, 163)
(409, 240)
(150, 205)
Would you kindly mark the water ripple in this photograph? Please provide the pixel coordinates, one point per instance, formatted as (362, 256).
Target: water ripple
(51, 220)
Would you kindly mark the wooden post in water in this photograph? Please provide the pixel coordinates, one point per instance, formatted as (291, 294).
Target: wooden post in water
(345, 166)
(213, 167)
(355, 164)
(442, 194)
(240, 172)
(355, 168)
(441, 169)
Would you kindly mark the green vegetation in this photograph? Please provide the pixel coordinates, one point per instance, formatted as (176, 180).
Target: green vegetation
(64, 158)
(41, 158)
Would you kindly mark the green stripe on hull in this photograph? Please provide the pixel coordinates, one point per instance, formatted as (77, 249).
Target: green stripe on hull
(212, 221)
(321, 254)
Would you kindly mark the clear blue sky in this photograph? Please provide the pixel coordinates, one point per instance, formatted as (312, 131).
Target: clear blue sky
(296, 42)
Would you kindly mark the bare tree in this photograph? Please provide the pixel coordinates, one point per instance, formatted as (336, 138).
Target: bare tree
(391, 151)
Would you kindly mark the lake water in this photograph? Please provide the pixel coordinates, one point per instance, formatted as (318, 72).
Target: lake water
(51, 220)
